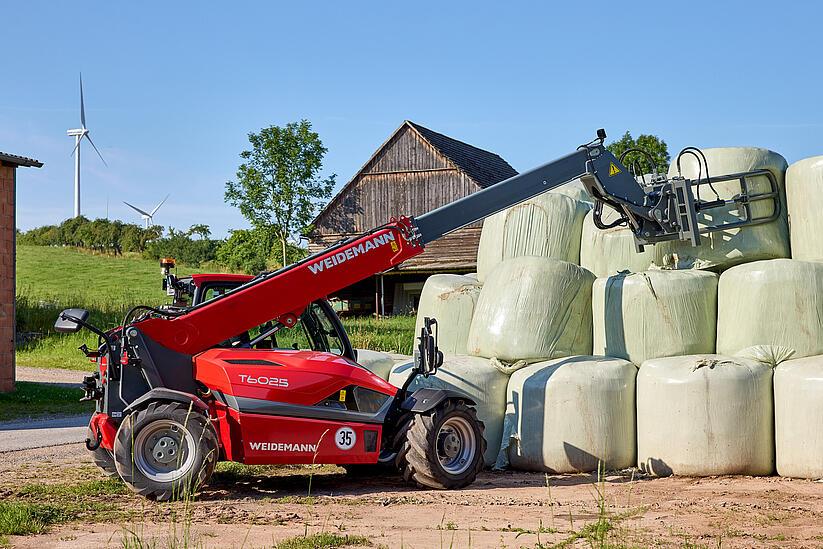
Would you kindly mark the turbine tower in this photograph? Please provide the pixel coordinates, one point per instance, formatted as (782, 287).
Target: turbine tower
(79, 134)
(148, 217)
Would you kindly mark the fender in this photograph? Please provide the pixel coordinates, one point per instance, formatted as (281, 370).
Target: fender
(161, 393)
(425, 400)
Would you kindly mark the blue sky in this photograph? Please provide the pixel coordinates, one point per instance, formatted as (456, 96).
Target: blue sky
(173, 88)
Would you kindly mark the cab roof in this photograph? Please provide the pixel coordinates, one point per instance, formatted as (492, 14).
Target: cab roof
(202, 278)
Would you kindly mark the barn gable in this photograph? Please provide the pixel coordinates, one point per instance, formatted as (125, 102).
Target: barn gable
(414, 171)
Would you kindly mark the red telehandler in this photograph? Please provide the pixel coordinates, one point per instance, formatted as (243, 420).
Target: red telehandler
(263, 373)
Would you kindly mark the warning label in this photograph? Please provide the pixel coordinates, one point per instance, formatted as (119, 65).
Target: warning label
(613, 170)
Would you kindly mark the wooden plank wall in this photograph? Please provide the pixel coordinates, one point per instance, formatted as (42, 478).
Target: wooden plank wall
(406, 177)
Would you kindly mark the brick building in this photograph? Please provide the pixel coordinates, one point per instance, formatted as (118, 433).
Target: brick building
(8, 180)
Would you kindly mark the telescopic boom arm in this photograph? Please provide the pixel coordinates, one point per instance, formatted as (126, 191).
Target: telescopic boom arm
(661, 210)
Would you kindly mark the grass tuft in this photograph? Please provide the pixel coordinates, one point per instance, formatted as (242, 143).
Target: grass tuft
(323, 541)
(19, 518)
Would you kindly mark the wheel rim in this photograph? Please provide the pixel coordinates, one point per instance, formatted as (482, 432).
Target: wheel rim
(456, 445)
(164, 451)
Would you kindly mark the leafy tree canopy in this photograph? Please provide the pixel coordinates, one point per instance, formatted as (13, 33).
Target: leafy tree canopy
(278, 188)
(636, 162)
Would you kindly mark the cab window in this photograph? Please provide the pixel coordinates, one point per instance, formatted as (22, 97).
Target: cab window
(325, 331)
(315, 330)
(215, 290)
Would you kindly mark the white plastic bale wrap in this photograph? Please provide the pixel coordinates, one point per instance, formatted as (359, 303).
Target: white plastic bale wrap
(724, 249)
(533, 308)
(655, 314)
(569, 415)
(704, 415)
(376, 362)
(478, 379)
(777, 302)
(767, 354)
(804, 195)
(798, 414)
(451, 300)
(574, 189)
(608, 251)
(548, 225)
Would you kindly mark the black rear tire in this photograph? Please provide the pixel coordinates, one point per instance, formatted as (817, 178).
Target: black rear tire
(442, 449)
(165, 451)
(103, 458)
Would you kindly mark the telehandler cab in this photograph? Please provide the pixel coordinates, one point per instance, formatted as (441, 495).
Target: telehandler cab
(262, 372)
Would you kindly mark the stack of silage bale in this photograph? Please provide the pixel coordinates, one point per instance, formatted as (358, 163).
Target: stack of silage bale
(798, 383)
(728, 337)
(701, 413)
(533, 305)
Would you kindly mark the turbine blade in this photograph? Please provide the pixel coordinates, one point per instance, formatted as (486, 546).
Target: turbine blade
(74, 150)
(154, 211)
(82, 106)
(87, 136)
(136, 209)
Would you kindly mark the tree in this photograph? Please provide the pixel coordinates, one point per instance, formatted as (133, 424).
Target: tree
(652, 144)
(278, 188)
(241, 252)
(199, 229)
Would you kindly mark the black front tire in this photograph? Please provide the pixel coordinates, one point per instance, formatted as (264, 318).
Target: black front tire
(103, 458)
(165, 451)
(442, 449)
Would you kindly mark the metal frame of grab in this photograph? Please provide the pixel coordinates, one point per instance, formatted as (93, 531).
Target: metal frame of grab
(743, 200)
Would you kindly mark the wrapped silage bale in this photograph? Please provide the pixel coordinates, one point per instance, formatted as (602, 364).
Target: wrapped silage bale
(547, 225)
(475, 377)
(450, 299)
(777, 302)
(533, 308)
(804, 196)
(655, 314)
(570, 415)
(608, 251)
(376, 362)
(723, 249)
(702, 415)
(574, 189)
(798, 415)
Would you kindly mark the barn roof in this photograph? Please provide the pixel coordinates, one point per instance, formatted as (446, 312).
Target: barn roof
(484, 167)
(19, 160)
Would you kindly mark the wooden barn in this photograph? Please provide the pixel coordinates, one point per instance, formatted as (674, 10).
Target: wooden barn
(414, 171)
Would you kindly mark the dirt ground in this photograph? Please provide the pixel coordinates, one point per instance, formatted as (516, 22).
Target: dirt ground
(59, 376)
(502, 509)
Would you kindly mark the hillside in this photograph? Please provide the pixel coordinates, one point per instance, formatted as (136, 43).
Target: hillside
(50, 279)
(47, 272)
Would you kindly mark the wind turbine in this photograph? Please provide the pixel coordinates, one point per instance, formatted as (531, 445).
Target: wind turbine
(79, 134)
(148, 217)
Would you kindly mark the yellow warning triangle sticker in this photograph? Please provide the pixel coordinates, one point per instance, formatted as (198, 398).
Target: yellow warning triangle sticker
(613, 170)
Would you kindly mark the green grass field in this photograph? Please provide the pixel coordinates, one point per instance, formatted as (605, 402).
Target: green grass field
(52, 279)
(42, 399)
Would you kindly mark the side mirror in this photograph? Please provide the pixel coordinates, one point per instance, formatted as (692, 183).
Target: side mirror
(71, 320)
(427, 357)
